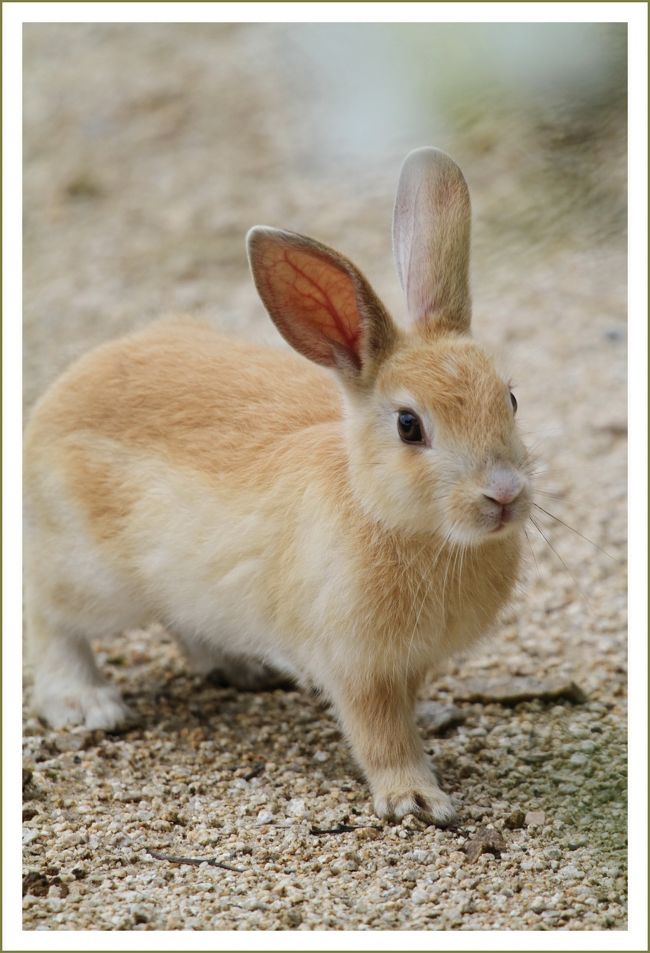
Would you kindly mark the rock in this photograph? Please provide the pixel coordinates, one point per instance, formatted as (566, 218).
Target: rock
(423, 856)
(567, 788)
(487, 840)
(296, 807)
(46, 751)
(534, 863)
(515, 820)
(437, 719)
(294, 918)
(73, 741)
(36, 883)
(578, 759)
(535, 819)
(513, 691)
(30, 791)
(419, 895)
(579, 840)
(570, 872)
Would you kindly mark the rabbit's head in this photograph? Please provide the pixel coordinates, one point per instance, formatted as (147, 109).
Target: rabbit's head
(430, 424)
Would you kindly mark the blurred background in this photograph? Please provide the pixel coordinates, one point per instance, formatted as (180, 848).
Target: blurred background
(150, 149)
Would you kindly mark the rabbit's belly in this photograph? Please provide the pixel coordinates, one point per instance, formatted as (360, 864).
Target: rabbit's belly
(222, 603)
(206, 565)
(222, 646)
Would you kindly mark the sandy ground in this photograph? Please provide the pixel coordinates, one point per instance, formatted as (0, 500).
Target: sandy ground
(149, 152)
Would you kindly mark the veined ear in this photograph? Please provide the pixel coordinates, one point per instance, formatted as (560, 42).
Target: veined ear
(431, 230)
(320, 302)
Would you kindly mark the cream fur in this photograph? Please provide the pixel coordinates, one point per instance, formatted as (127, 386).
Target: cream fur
(259, 509)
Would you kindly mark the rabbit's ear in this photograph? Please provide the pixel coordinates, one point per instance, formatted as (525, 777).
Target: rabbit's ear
(431, 227)
(320, 302)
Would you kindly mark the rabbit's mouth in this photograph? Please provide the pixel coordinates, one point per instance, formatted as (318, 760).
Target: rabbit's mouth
(507, 517)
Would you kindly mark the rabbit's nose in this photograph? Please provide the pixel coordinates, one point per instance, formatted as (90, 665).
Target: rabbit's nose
(504, 486)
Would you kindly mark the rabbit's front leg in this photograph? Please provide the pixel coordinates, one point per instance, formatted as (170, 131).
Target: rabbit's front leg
(378, 717)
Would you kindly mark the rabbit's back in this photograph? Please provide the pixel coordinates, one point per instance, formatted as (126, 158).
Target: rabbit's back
(180, 389)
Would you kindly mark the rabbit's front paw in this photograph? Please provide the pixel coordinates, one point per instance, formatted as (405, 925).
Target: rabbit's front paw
(425, 801)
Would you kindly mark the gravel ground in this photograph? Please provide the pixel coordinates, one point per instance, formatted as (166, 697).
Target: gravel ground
(149, 151)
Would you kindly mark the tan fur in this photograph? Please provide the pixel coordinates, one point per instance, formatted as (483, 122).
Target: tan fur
(249, 501)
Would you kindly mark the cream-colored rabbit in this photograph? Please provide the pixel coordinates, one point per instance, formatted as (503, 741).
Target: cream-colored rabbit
(350, 524)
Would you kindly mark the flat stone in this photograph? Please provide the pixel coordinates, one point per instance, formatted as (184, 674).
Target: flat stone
(438, 719)
(535, 818)
(513, 691)
(570, 872)
(487, 840)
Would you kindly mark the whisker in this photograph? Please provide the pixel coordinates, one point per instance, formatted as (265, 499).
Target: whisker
(532, 552)
(581, 535)
(552, 496)
(554, 550)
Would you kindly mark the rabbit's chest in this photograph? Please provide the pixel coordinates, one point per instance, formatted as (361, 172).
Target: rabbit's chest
(436, 613)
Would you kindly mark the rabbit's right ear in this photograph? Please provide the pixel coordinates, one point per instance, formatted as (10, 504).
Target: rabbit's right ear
(431, 228)
(320, 303)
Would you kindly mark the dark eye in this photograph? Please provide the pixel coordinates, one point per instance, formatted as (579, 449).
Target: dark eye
(513, 401)
(409, 427)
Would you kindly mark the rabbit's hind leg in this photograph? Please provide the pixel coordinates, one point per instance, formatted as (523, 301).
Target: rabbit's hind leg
(68, 688)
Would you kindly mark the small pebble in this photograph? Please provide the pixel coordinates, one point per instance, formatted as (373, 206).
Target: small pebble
(578, 759)
(570, 872)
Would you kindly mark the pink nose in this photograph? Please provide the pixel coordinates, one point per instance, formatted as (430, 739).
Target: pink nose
(504, 487)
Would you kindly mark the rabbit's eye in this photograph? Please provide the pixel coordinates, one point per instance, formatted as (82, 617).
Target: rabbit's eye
(513, 401)
(409, 427)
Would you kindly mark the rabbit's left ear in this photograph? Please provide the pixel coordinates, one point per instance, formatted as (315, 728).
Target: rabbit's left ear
(431, 230)
(320, 302)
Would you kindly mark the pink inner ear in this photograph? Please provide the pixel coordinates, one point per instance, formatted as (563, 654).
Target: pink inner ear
(315, 302)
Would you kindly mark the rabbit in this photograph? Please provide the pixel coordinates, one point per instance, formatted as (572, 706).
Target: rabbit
(348, 513)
